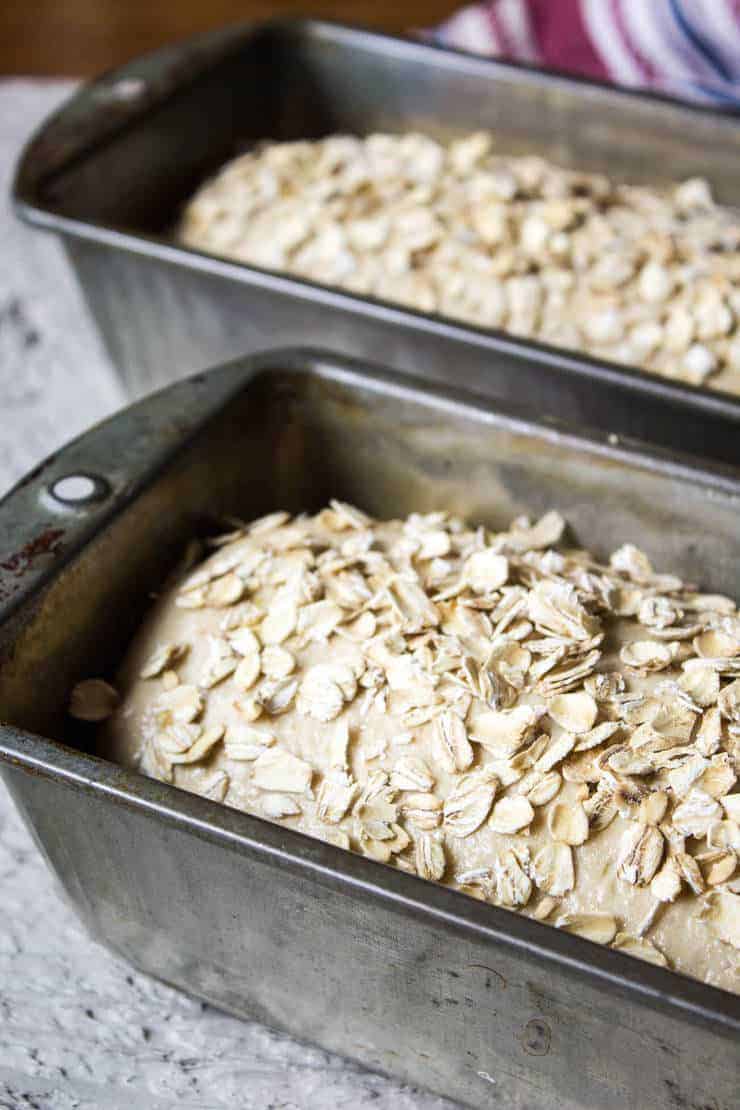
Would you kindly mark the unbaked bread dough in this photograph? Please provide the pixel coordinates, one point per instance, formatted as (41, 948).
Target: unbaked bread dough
(643, 276)
(489, 710)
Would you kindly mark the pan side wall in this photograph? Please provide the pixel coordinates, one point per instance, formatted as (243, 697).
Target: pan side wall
(482, 1025)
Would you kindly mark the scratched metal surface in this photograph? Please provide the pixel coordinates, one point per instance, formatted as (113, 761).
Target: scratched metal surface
(79, 1030)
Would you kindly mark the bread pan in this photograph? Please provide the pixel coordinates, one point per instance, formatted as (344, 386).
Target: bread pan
(111, 171)
(414, 979)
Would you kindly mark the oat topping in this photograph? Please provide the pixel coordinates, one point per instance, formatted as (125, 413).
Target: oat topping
(216, 787)
(429, 857)
(246, 742)
(422, 810)
(568, 823)
(279, 806)
(638, 946)
(495, 710)
(181, 705)
(275, 769)
(645, 276)
(599, 927)
(161, 658)
(453, 749)
(202, 746)
(336, 794)
(511, 815)
(92, 700)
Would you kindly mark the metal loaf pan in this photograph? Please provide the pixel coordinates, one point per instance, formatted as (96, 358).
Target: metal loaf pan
(410, 978)
(112, 170)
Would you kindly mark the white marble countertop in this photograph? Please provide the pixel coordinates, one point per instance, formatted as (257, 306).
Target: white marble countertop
(79, 1029)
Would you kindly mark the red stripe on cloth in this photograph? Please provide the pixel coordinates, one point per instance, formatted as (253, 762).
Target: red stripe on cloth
(562, 38)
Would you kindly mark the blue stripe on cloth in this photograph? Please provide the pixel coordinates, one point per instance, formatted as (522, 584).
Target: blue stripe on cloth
(698, 41)
(711, 91)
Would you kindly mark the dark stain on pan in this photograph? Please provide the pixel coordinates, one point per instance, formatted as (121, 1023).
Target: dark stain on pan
(48, 542)
(536, 1037)
(678, 1100)
(492, 973)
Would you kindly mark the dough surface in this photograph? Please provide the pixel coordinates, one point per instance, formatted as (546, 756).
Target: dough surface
(490, 710)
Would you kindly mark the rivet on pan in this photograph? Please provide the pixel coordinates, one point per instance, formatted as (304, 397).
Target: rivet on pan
(79, 489)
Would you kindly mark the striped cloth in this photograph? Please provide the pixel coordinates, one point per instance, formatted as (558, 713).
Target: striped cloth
(685, 48)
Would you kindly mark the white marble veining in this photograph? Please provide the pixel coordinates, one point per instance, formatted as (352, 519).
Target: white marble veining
(79, 1030)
